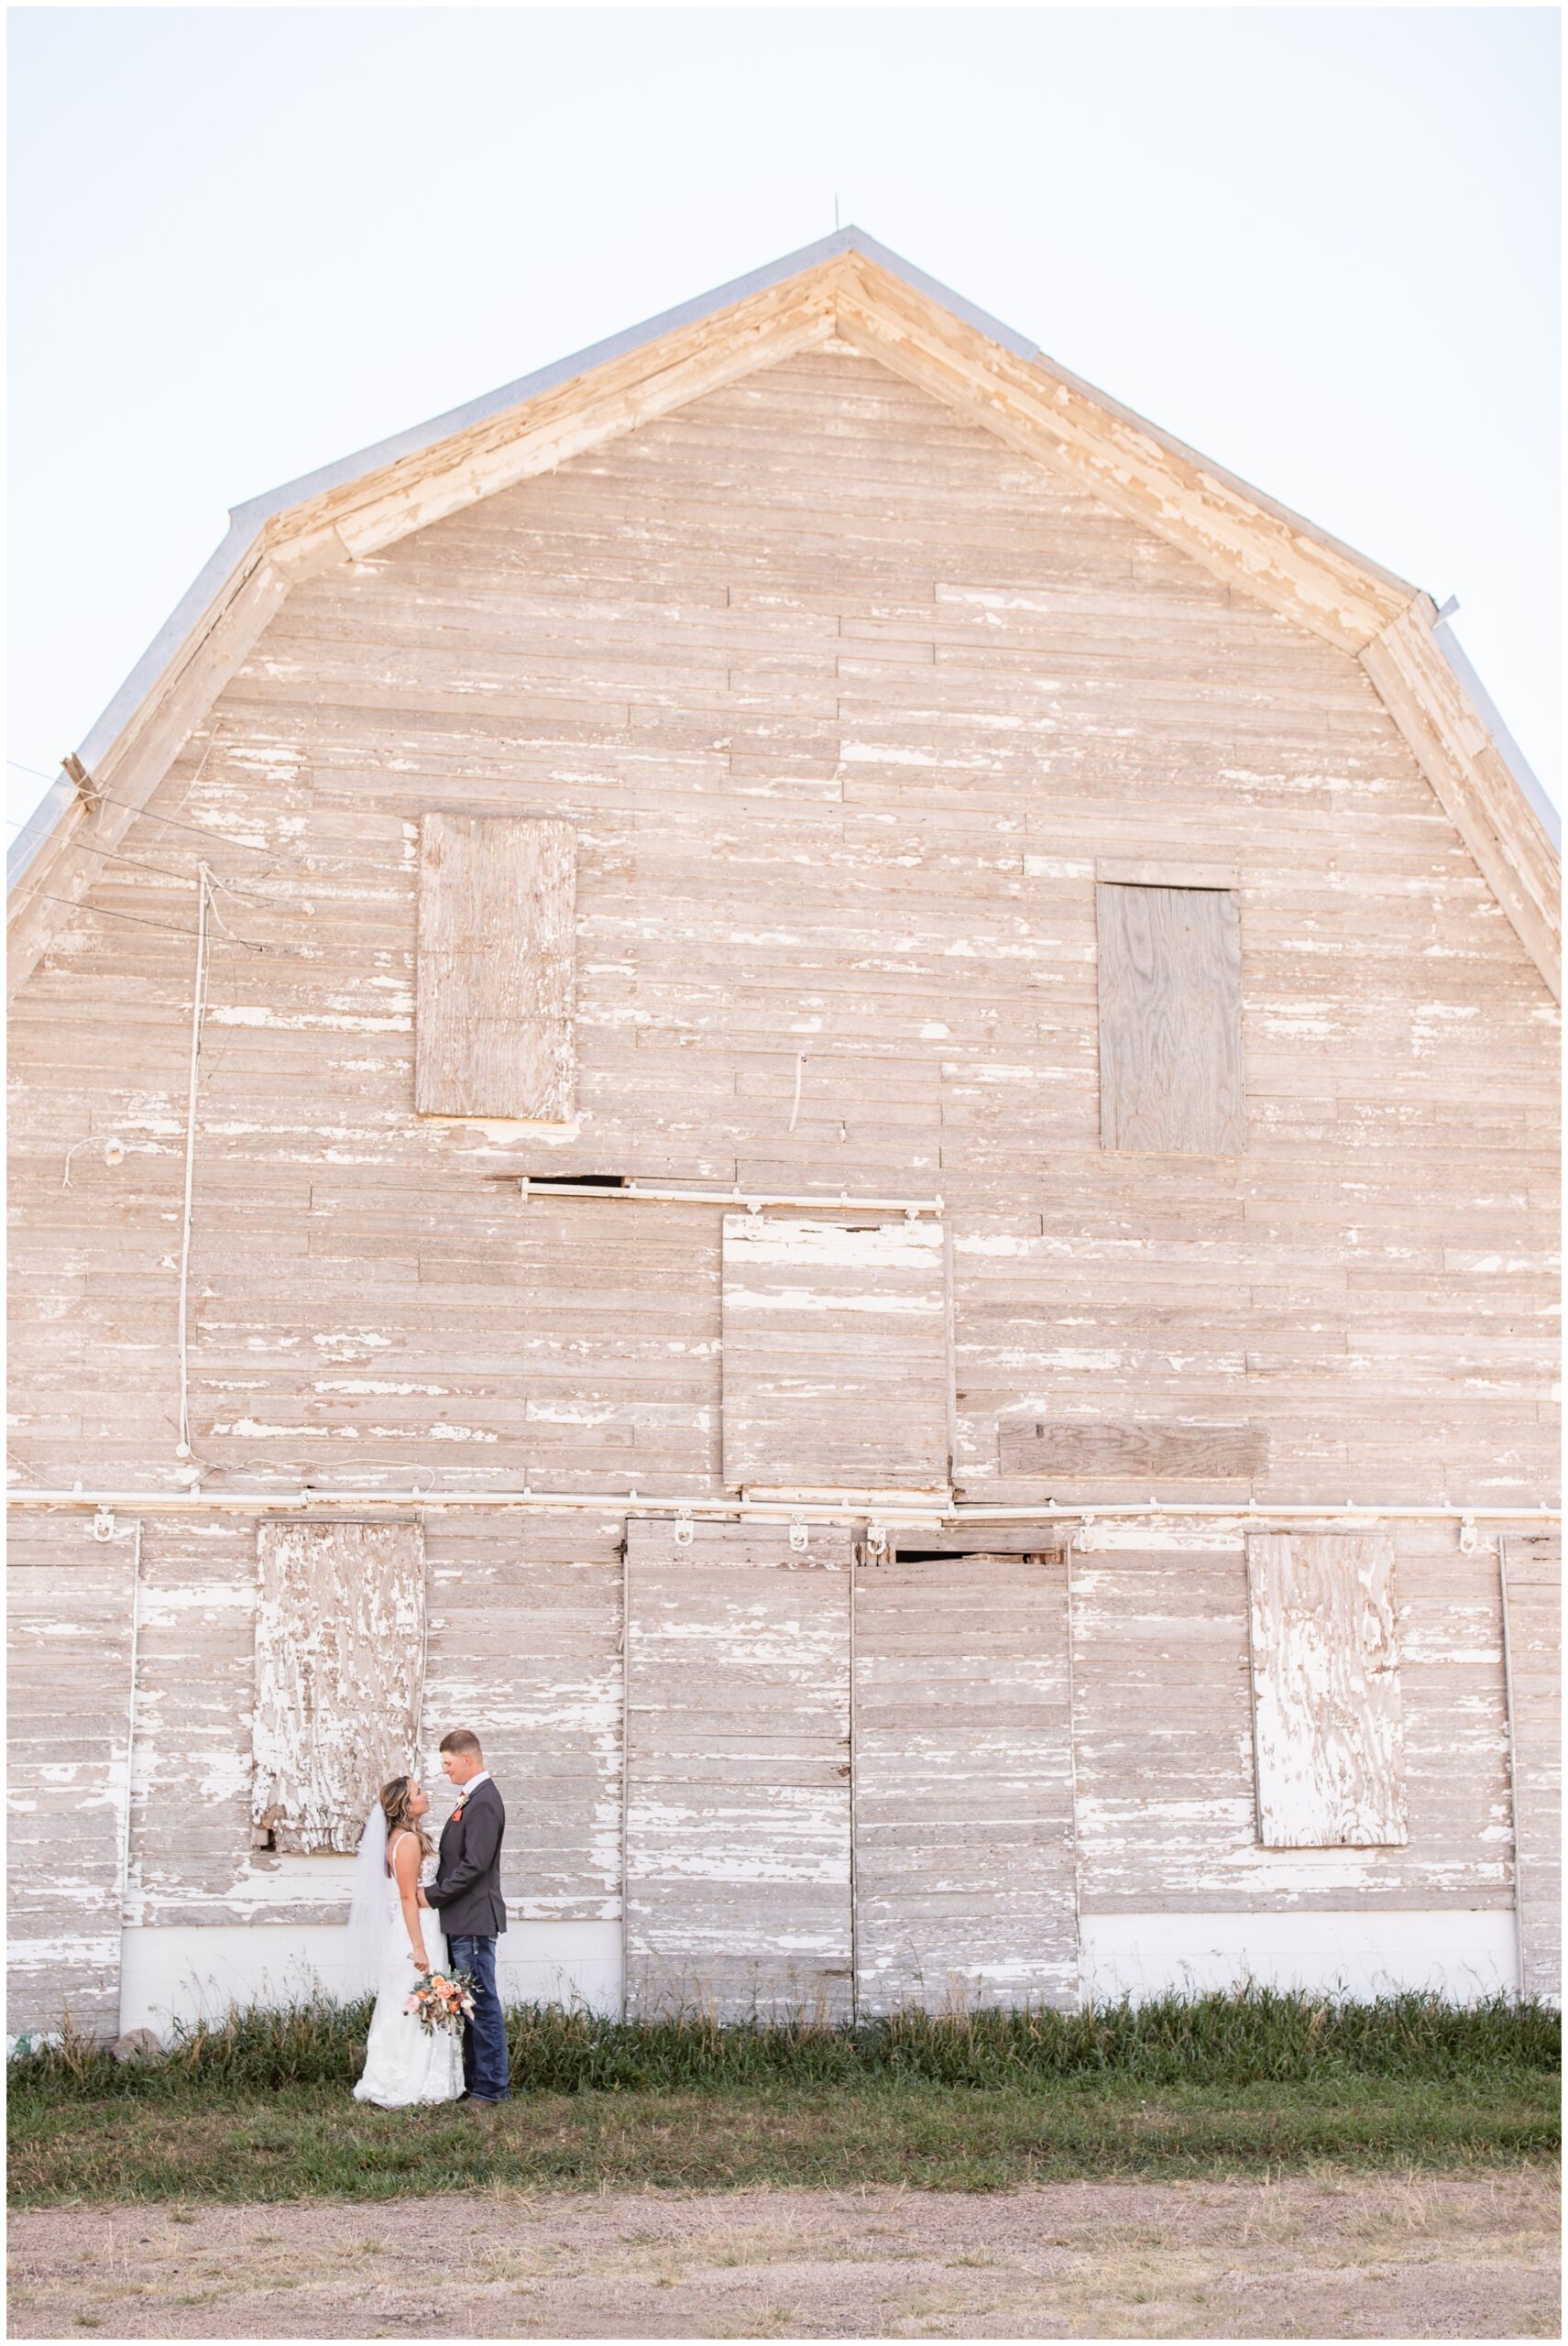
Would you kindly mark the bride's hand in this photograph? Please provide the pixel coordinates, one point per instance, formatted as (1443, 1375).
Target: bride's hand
(420, 1962)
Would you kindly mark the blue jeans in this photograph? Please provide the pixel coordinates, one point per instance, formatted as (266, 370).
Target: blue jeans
(485, 2038)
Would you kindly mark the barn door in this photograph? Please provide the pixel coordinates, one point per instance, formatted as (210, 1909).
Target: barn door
(963, 1783)
(70, 1614)
(737, 1770)
(1532, 1618)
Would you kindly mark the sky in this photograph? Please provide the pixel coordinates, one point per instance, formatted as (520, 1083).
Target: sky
(1321, 244)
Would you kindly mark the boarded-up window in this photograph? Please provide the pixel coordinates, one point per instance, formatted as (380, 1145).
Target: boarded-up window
(1170, 1020)
(339, 1665)
(835, 1354)
(496, 914)
(1328, 1727)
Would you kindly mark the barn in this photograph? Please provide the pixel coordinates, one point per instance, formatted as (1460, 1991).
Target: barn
(794, 1068)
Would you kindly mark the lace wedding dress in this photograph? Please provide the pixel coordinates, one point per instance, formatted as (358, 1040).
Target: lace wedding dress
(403, 2064)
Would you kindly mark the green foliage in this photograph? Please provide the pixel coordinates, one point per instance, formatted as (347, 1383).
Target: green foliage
(1250, 2038)
(259, 2107)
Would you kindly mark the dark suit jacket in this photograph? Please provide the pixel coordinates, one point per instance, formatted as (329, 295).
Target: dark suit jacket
(466, 1891)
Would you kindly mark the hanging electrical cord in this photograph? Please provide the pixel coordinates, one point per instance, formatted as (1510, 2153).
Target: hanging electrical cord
(84, 1143)
(118, 855)
(198, 1006)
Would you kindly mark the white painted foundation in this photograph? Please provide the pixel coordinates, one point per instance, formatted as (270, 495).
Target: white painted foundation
(189, 1974)
(1463, 1954)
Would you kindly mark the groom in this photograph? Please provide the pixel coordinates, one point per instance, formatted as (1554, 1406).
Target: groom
(466, 1894)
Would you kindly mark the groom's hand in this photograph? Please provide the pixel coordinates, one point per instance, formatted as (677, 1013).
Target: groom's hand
(422, 1899)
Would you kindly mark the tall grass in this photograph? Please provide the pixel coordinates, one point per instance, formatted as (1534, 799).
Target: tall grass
(1248, 2038)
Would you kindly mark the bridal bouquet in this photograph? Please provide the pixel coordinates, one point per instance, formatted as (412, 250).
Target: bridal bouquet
(442, 2002)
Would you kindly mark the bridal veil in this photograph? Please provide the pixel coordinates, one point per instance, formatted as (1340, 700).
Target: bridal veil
(367, 1951)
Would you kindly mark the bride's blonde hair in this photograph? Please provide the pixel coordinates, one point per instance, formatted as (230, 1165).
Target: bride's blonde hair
(395, 1804)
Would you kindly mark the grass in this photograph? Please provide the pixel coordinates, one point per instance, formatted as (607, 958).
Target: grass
(1221, 2086)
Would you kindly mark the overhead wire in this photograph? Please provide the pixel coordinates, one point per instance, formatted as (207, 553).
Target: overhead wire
(139, 920)
(197, 830)
(118, 855)
(76, 905)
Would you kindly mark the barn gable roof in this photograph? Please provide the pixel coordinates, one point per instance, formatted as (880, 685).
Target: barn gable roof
(850, 288)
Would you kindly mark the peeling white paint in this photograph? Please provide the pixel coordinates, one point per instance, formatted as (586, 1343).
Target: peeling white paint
(232, 1013)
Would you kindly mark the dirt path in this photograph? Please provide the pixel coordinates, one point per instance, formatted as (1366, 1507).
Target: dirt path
(1373, 2256)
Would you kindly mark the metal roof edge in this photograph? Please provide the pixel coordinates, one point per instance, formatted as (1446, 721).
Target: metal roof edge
(208, 587)
(943, 295)
(25, 847)
(255, 510)
(1031, 352)
(246, 520)
(1508, 749)
(418, 436)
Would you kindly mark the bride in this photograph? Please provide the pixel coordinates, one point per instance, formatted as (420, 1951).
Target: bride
(392, 1944)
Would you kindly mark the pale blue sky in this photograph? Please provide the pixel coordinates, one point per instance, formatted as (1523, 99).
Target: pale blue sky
(1321, 244)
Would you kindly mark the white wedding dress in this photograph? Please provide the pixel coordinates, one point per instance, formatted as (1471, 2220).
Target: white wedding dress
(403, 2063)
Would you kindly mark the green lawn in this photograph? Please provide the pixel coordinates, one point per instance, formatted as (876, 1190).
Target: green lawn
(1218, 2087)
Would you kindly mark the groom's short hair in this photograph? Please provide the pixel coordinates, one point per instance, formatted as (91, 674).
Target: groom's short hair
(464, 1739)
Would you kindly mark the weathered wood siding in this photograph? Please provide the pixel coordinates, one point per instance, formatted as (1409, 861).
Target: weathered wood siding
(738, 1771)
(845, 700)
(1163, 1738)
(496, 929)
(1171, 1066)
(1533, 1572)
(524, 1648)
(835, 1354)
(70, 1608)
(1328, 1724)
(963, 1783)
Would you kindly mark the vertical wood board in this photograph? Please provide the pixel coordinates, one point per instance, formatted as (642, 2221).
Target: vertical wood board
(195, 1705)
(963, 1784)
(339, 1661)
(497, 960)
(1328, 1726)
(835, 1352)
(69, 1603)
(1532, 1581)
(738, 1771)
(1170, 1020)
